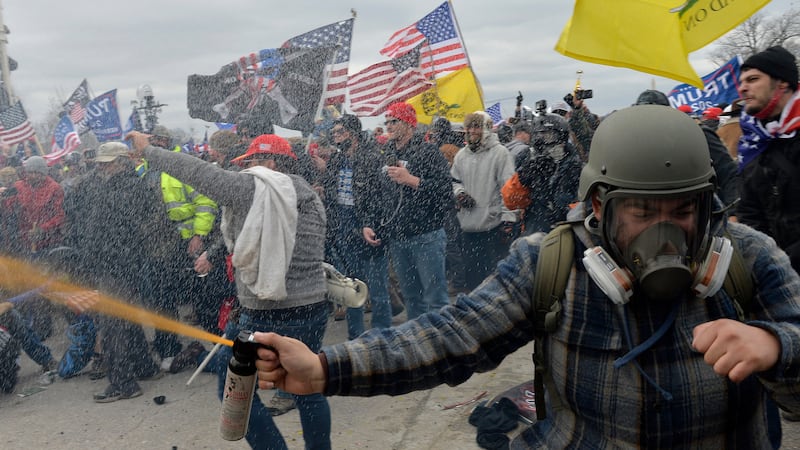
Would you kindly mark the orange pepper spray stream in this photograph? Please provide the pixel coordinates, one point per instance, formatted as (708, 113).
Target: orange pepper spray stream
(19, 276)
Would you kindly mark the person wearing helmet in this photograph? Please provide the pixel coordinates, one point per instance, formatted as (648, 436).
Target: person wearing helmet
(550, 171)
(658, 360)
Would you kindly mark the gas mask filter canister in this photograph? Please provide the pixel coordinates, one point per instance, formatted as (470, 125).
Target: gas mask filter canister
(656, 259)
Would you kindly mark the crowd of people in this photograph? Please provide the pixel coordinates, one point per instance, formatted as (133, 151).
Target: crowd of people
(429, 214)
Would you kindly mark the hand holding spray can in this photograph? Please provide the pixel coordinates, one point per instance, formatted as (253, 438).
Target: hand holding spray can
(240, 385)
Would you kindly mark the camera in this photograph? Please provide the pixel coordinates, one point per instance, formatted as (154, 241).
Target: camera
(580, 94)
(583, 94)
(541, 107)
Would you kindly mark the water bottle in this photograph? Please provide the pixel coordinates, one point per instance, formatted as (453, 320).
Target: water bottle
(240, 385)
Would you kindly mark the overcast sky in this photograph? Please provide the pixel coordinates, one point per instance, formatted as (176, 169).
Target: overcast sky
(123, 45)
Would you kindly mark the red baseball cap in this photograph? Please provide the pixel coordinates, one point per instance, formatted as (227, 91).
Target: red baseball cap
(686, 108)
(712, 113)
(267, 144)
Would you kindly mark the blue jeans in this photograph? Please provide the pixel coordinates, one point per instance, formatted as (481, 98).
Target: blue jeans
(419, 262)
(13, 321)
(307, 324)
(481, 252)
(347, 246)
(374, 271)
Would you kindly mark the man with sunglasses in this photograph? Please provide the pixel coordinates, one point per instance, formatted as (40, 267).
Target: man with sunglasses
(349, 171)
(412, 222)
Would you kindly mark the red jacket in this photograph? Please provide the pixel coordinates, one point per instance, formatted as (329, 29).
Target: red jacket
(40, 214)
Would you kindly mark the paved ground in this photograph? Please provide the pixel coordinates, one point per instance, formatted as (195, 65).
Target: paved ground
(64, 415)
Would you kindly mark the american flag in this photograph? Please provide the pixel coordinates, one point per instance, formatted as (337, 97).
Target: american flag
(442, 49)
(337, 34)
(203, 146)
(375, 88)
(65, 139)
(14, 125)
(495, 113)
(75, 106)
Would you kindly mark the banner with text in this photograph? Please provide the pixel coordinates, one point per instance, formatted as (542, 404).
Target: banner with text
(102, 117)
(720, 86)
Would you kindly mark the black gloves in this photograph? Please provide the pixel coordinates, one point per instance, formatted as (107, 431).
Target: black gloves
(536, 168)
(464, 200)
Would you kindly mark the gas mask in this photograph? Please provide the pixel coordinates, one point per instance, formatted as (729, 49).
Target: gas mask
(663, 261)
(544, 139)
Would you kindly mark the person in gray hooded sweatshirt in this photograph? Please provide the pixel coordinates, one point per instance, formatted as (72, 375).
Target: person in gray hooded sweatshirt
(479, 171)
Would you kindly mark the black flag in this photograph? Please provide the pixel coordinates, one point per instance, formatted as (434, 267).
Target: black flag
(283, 85)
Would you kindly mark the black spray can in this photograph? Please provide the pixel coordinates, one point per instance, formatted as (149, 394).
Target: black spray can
(240, 385)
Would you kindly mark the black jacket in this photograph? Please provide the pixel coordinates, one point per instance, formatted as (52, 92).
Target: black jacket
(369, 184)
(117, 228)
(770, 195)
(399, 211)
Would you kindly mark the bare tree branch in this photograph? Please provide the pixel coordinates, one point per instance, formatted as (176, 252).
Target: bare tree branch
(758, 33)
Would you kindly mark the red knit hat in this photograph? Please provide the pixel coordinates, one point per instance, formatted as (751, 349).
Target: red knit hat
(403, 111)
(267, 144)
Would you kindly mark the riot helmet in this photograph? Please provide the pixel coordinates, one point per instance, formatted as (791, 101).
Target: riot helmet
(650, 168)
(549, 130)
(652, 97)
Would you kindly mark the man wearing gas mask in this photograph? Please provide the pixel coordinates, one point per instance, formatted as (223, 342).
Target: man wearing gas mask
(643, 347)
(550, 170)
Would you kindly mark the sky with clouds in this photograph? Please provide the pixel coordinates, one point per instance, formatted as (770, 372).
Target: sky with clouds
(123, 45)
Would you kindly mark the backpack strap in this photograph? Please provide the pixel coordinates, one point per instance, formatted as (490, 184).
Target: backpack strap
(553, 269)
(738, 282)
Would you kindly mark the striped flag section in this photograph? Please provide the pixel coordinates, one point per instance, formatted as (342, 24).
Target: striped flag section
(437, 36)
(75, 105)
(14, 125)
(375, 88)
(337, 34)
(65, 139)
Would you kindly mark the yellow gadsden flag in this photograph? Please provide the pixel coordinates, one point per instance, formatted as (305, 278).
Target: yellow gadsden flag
(652, 36)
(453, 97)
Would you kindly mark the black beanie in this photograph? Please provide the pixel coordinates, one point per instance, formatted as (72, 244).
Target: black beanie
(776, 62)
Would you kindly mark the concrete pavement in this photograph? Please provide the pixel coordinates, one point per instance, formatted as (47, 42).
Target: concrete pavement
(64, 415)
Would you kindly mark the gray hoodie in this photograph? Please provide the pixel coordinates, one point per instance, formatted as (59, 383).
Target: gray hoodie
(482, 173)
